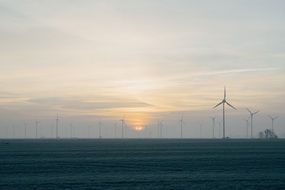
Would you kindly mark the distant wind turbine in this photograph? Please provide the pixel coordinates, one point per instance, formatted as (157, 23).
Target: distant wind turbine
(181, 126)
(115, 130)
(220, 126)
(100, 129)
(71, 131)
(201, 126)
(123, 125)
(224, 102)
(272, 120)
(25, 129)
(160, 128)
(252, 114)
(37, 125)
(56, 126)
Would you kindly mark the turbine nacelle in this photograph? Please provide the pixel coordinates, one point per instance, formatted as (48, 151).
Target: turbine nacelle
(273, 118)
(252, 113)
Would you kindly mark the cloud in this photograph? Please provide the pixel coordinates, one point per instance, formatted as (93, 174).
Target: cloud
(86, 104)
(236, 71)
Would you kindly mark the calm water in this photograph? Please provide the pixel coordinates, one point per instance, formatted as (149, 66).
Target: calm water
(142, 164)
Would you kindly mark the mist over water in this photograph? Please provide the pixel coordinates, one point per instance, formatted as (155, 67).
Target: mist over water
(142, 164)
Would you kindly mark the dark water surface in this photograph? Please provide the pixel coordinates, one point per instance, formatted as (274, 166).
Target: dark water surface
(142, 164)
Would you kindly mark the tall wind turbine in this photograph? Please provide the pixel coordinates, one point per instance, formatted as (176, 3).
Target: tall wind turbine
(160, 128)
(71, 130)
(123, 123)
(272, 120)
(57, 121)
(181, 126)
(37, 125)
(213, 125)
(100, 129)
(224, 102)
(25, 129)
(252, 114)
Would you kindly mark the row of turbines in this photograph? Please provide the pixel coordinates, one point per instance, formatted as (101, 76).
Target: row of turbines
(223, 103)
(158, 130)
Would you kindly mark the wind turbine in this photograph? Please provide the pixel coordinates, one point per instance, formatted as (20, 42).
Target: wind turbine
(57, 121)
(247, 126)
(181, 126)
(71, 130)
(213, 125)
(37, 125)
(272, 120)
(123, 123)
(160, 128)
(115, 130)
(252, 114)
(100, 130)
(201, 126)
(224, 102)
(25, 124)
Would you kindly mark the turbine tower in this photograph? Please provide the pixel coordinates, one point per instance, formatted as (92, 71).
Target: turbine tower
(272, 120)
(115, 130)
(252, 114)
(56, 126)
(224, 102)
(71, 131)
(37, 125)
(25, 129)
(123, 123)
(100, 129)
(181, 127)
(160, 128)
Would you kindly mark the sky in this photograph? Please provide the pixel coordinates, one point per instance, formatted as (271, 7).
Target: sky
(141, 60)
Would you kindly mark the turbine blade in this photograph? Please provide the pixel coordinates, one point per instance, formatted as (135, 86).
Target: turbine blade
(218, 104)
(255, 112)
(249, 110)
(231, 105)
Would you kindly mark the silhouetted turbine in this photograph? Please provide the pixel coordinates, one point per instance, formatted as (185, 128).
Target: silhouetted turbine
(56, 126)
(100, 129)
(224, 102)
(181, 126)
(252, 114)
(123, 123)
(37, 125)
(272, 120)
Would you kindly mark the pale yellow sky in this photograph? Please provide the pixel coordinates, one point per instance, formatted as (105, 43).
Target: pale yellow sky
(140, 59)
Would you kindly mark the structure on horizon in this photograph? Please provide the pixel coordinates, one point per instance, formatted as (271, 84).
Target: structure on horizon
(56, 125)
(252, 114)
(272, 122)
(224, 102)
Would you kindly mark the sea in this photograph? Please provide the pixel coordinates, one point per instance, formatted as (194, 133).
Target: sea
(142, 164)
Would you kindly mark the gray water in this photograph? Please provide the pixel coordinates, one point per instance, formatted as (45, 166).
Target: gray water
(142, 164)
